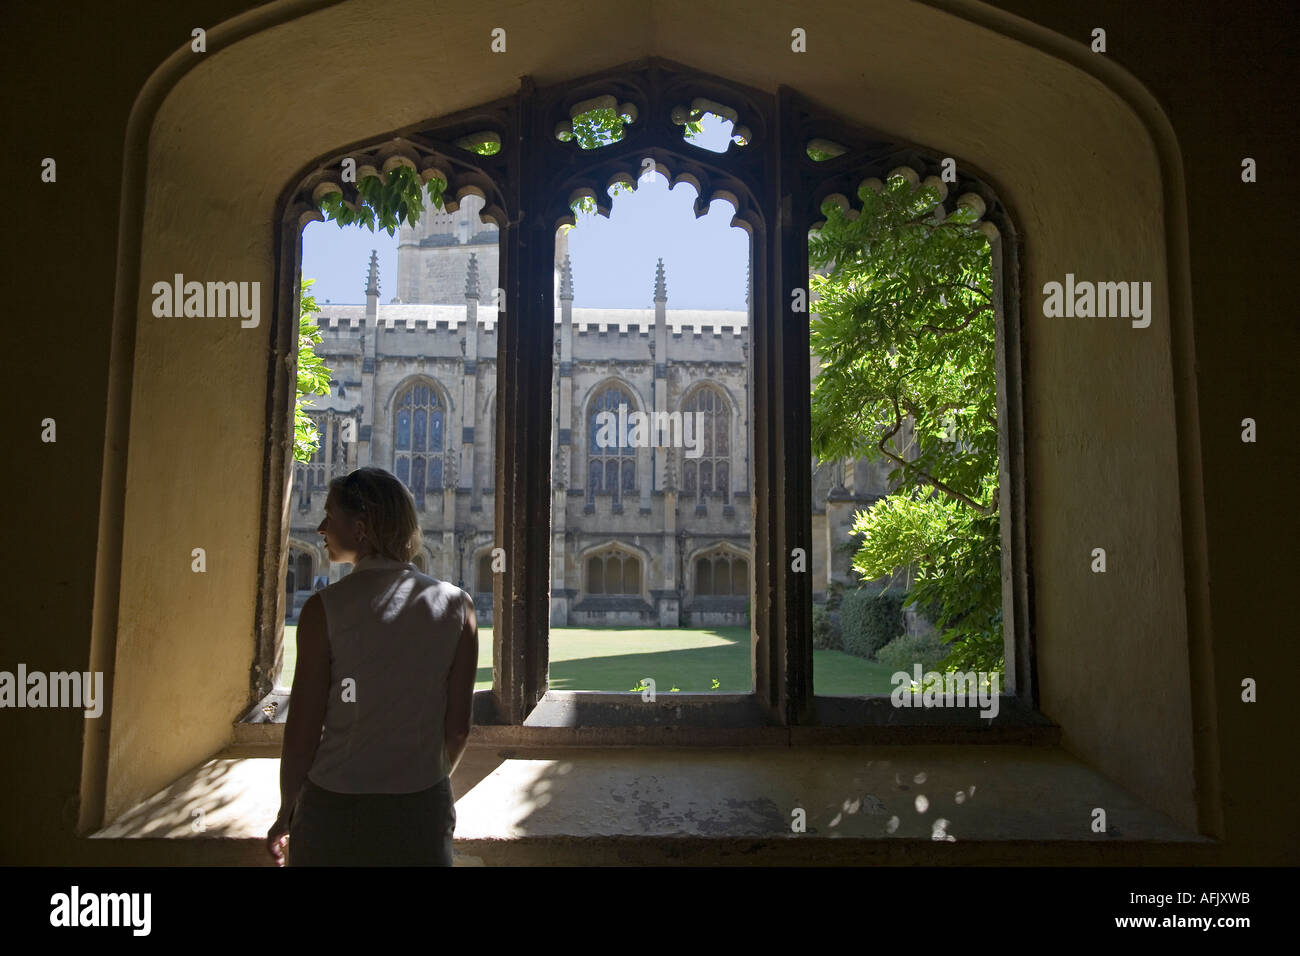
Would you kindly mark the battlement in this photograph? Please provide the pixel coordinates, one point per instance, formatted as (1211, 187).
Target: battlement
(336, 321)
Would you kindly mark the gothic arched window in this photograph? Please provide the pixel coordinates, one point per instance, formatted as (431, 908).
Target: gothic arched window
(611, 459)
(418, 440)
(313, 476)
(710, 473)
(483, 575)
(614, 573)
(721, 574)
(299, 575)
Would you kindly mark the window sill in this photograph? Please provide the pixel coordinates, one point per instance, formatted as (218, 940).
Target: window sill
(599, 718)
(615, 805)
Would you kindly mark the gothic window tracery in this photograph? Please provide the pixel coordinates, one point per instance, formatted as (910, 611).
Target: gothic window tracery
(710, 473)
(418, 440)
(614, 573)
(328, 460)
(721, 574)
(611, 459)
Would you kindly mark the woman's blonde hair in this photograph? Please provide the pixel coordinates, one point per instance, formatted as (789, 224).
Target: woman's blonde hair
(387, 508)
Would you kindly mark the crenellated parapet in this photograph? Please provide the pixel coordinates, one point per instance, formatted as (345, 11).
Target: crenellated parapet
(594, 323)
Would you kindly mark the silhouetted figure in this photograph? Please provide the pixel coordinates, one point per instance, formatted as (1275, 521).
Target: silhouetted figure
(386, 665)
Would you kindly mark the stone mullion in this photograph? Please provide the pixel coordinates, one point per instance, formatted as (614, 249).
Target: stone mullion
(523, 462)
(787, 384)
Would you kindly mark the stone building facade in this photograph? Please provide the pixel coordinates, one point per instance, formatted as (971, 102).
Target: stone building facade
(650, 530)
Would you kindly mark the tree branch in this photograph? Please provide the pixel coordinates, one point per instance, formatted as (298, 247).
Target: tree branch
(970, 317)
(909, 468)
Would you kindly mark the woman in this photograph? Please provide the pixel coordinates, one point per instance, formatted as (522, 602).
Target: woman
(386, 664)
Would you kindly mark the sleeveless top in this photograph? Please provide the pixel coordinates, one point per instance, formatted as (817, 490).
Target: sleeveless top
(392, 633)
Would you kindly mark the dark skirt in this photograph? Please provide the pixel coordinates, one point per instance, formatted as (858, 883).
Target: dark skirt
(372, 829)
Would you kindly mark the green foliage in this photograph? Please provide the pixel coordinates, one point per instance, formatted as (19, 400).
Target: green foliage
(484, 146)
(904, 331)
(596, 128)
(825, 635)
(388, 201)
(870, 619)
(313, 376)
(906, 650)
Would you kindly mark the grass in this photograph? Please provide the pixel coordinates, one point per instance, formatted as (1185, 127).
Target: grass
(616, 659)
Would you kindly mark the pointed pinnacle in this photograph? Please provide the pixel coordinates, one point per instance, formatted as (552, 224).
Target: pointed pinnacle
(566, 279)
(471, 277)
(372, 279)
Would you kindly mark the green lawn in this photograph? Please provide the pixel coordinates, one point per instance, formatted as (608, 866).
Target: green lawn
(615, 659)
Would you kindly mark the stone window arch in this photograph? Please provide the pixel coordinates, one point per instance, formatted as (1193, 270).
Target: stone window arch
(483, 572)
(420, 418)
(611, 466)
(301, 570)
(312, 477)
(710, 473)
(720, 571)
(613, 571)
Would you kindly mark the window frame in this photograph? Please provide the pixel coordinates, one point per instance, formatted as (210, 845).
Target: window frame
(536, 173)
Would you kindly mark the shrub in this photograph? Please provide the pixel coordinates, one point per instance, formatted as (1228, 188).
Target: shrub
(825, 635)
(906, 650)
(869, 620)
(834, 595)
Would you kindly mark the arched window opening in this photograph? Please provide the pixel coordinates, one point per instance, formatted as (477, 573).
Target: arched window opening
(483, 574)
(611, 459)
(710, 473)
(721, 574)
(614, 574)
(821, 150)
(418, 440)
(710, 125)
(715, 385)
(485, 143)
(596, 122)
(298, 577)
(312, 477)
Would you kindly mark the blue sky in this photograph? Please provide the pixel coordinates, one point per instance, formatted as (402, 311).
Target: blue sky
(613, 259)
